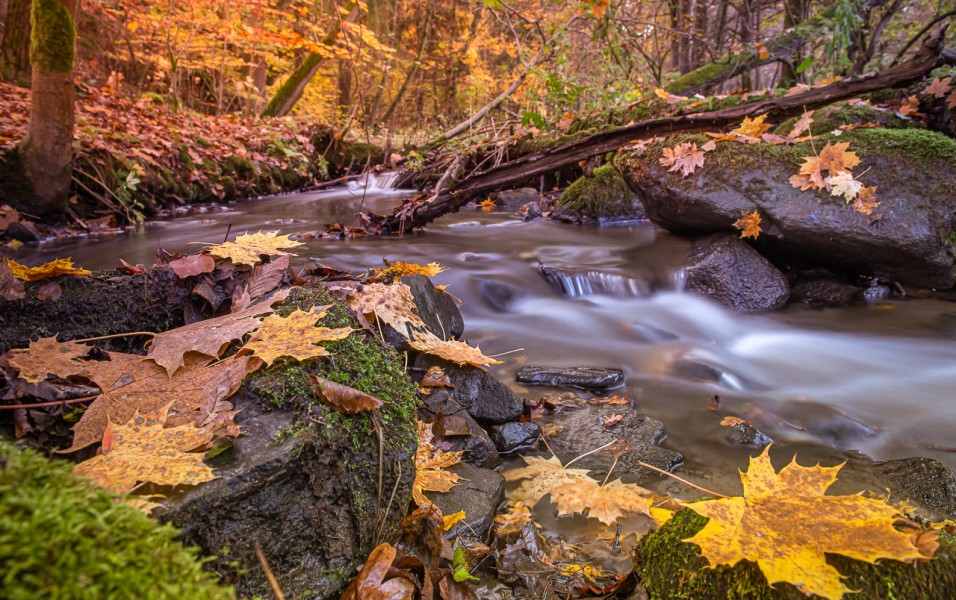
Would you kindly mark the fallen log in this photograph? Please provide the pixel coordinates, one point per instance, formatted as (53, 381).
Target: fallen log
(422, 210)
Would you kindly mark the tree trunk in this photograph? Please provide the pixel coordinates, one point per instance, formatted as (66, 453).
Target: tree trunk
(422, 42)
(15, 43)
(780, 48)
(420, 211)
(47, 151)
(286, 96)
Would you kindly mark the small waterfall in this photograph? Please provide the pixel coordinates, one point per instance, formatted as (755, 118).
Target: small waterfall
(376, 182)
(574, 283)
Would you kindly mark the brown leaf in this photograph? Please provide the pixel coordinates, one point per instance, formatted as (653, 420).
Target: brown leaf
(342, 397)
(50, 290)
(909, 107)
(684, 157)
(267, 277)
(11, 288)
(939, 87)
(436, 377)
(451, 350)
(127, 269)
(47, 356)
(194, 264)
(733, 421)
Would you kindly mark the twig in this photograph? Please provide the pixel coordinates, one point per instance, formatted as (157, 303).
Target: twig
(598, 449)
(681, 479)
(265, 567)
(114, 336)
(53, 403)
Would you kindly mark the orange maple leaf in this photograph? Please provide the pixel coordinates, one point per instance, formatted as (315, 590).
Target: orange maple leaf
(909, 108)
(748, 224)
(939, 87)
(866, 201)
(684, 157)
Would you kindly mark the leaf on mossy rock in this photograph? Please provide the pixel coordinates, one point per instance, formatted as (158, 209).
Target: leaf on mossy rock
(11, 288)
(209, 337)
(451, 350)
(132, 384)
(393, 305)
(248, 247)
(430, 463)
(60, 266)
(294, 336)
(343, 398)
(47, 356)
(143, 450)
(785, 524)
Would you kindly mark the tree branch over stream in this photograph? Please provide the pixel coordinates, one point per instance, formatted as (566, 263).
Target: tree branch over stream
(420, 211)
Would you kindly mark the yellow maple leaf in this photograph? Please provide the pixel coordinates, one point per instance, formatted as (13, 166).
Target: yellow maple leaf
(451, 350)
(755, 127)
(391, 304)
(748, 224)
(143, 450)
(684, 157)
(399, 269)
(295, 336)
(60, 266)
(837, 158)
(47, 356)
(513, 520)
(784, 523)
(430, 463)
(449, 520)
(606, 503)
(248, 247)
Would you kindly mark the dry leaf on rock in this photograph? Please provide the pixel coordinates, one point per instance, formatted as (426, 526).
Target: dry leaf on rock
(208, 337)
(50, 290)
(785, 524)
(264, 279)
(342, 397)
(60, 266)
(802, 125)
(295, 336)
(866, 200)
(748, 224)
(451, 350)
(248, 247)
(843, 184)
(435, 377)
(753, 128)
(909, 107)
(130, 383)
(391, 304)
(47, 356)
(430, 463)
(142, 450)
(684, 157)
(194, 264)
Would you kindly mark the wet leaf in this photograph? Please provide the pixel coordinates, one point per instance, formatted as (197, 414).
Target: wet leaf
(247, 248)
(785, 524)
(733, 421)
(540, 476)
(866, 200)
(47, 356)
(451, 350)
(460, 566)
(436, 377)
(294, 336)
(142, 450)
(449, 520)
(400, 269)
(50, 290)
(60, 266)
(430, 463)
(513, 520)
(342, 397)
(391, 304)
(194, 264)
(606, 503)
(748, 224)
(909, 107)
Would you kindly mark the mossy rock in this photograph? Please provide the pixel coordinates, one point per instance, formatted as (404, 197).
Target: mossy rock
(603, 194)
(671, 568)
(62, 538)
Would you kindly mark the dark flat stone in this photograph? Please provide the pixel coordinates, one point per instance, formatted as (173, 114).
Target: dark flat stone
(589, 378)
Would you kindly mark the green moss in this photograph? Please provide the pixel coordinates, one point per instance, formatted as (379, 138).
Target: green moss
(62, 538)
(919, 146)
(693, 80)
(239, 167)
(53, 42)
(603, 194)
(671, 568)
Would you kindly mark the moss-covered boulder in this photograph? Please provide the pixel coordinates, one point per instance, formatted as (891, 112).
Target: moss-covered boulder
(671, 568)
(62, 538)
(603, 195)
(909, 238)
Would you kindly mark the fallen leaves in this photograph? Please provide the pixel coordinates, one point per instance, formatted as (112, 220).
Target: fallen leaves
(60, 266)
(47, 356)
(430, 463)
(784, 523)
(939, 87)
(451, 350)
(399, 269)
(294, 336)
(247, 248)
(142, 450)
(831, 170)
(753, 128)
(685, 157)
(748, 224)
(342, 397)
(11, 288)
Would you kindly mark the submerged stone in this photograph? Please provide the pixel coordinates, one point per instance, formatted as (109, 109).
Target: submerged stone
(589, 378)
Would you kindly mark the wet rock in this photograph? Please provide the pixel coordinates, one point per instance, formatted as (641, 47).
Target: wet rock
(910, 242)
(23, 231)
(875, 294)
(828, 292)
(726, 269)
(697, 371)
(515, 436)
(574, 282)
(471, 438)
(513, 199)
(589, 378)
(530, 211)
(602, 195)
(479, 492)
(921, 479)
(745, 434)
(592, 426)
(436, 308)
(500, 295)
(485, 398)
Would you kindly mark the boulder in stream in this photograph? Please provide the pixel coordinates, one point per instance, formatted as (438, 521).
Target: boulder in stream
(436, 308)
(603, 195)
(588, 378)
(509, 437)
(479, 492)
(729, 271)
(908, 238)
(485, 398)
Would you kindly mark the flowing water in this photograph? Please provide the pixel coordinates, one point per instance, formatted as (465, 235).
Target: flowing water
(876, 381)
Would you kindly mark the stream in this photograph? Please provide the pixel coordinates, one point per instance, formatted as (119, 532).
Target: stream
(872, 381)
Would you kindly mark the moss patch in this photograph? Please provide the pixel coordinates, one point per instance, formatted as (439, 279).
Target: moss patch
(62, 538)
(53, 43)
(671, 568)
(603, 194)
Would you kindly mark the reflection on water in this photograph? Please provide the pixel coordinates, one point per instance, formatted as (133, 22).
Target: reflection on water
(873, 379)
